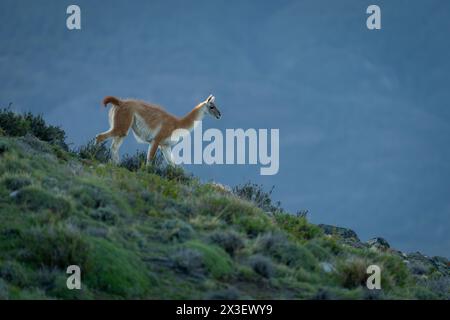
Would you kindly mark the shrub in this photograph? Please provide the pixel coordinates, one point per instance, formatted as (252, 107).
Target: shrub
(253, 224)
(372, 294)
(15, 182)
(169, 172)
(188, 261)
(93, 151)
(44, 132)
(14, 272)
(28, 294)
(133, 162)
(105, 214)
(439, 285)
(4, 291)
(176, 230)
(302, 213)
(3, 147)
(215, 259)
(423, 293)
(34, 198)
(95, 196)
(58, 289)
(280, 248)
(224, 294)
(322, 294)
(396, 275)
(116, 271)
(318, 250)
(14, 124)
(256, 194)
(297, 226)
(352, 273)
(230, 241)
(56, 247)
(262, 265)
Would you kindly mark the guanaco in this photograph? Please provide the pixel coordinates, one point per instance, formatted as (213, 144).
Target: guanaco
(150, 124)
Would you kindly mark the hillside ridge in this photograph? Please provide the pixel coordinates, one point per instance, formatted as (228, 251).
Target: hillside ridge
(156, 232)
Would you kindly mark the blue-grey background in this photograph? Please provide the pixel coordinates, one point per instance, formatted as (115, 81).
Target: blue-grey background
(364, 116)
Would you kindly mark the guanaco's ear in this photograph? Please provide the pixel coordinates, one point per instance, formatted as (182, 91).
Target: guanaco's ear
(211, 98)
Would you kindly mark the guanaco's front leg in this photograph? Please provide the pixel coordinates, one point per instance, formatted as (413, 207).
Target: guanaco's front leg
(167, 153)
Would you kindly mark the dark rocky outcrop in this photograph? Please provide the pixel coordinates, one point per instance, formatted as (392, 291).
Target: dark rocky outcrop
(420, 264)
(344, 235)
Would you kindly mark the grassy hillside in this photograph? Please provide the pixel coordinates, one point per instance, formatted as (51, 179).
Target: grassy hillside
(157, 233)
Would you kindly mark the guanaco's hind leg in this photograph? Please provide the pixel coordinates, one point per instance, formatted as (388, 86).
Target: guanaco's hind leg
(121, 119)
(117, 142)
(103, 136)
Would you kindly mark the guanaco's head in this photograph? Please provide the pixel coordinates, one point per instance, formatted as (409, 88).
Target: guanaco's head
(211, 108)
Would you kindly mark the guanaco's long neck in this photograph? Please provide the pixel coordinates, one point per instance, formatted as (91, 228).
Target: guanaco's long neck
(196, 114)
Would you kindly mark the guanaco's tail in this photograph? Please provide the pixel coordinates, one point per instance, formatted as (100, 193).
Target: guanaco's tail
(112, 100)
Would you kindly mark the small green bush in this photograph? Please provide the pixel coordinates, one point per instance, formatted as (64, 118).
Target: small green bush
(169, 172)
(4, 291)
(93, 151)
(58, 289)
(134, 162)
(188, 261)
(105, 214)
(176, 230)
(34, 199)
(95, 196)
(224, 294)
(396, 273)
(262, 265)
(297, 226)
(323, 294)
(279, 247)
(253, 225)
(215, 259)
(116, 271)
(352, 273)
(229, 240)
(315, 246)
(440, 286)
(56, 247)
(256, 194)
(3, 148)
(15, 182)
(14, 272)
(17, 125)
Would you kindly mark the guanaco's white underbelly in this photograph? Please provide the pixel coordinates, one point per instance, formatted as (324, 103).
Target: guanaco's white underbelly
(141, 130)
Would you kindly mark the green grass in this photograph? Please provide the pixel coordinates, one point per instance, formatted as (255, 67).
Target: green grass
(216, 260)
(152, 232)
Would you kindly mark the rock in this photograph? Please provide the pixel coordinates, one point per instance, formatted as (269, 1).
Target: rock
(378, 243)
(221, 187)
(345, 235)
(420, 264)
(442, 265)
(14, 194)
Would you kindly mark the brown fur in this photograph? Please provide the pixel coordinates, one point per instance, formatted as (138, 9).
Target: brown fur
(112, 100)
